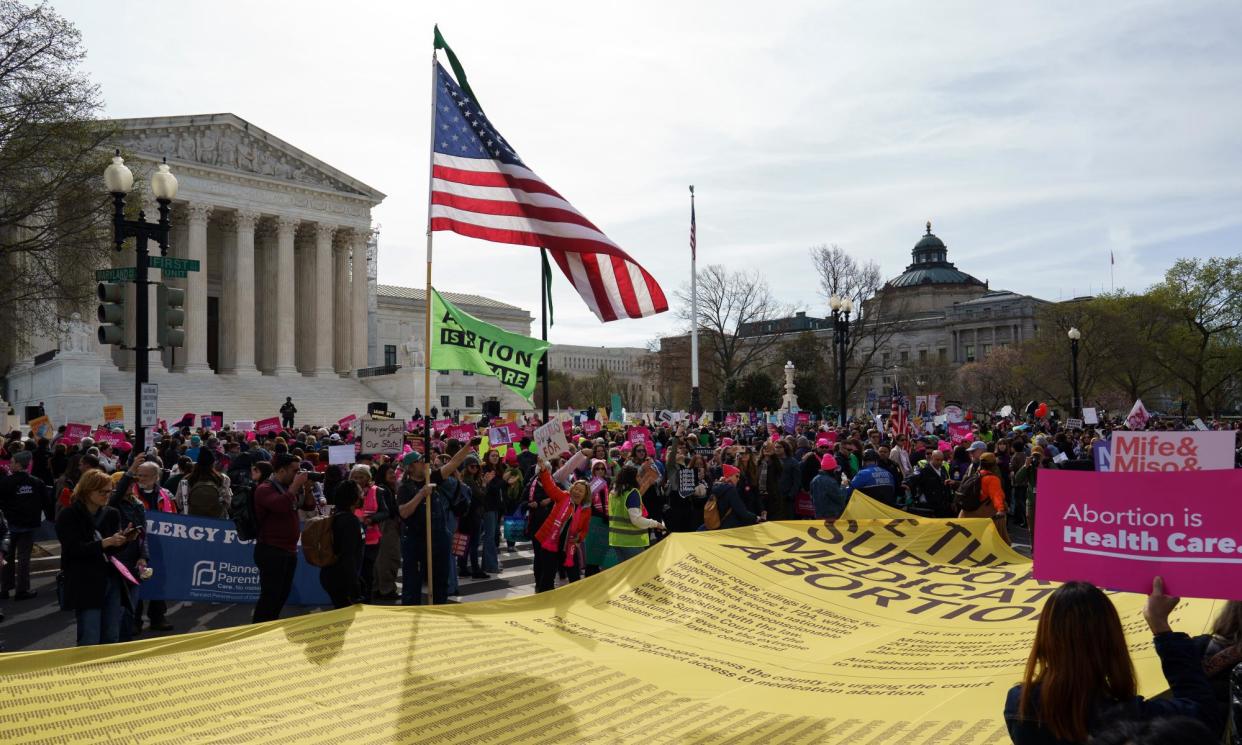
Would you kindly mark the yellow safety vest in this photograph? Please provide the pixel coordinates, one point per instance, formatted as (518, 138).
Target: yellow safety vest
(621, 532)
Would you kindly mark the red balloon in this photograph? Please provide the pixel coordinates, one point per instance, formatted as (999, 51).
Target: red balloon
(1041, 411)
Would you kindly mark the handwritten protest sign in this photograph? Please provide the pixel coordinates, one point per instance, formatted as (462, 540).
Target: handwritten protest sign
(550, 439)
(267, 426)
(382, 436)
(1119, 530)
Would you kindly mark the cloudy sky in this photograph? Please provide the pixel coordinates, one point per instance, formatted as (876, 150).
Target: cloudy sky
(1037, 137)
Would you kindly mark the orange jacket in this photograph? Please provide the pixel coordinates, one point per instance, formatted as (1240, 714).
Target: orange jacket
(992, 490)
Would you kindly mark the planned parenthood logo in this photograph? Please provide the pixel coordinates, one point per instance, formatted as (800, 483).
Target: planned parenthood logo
(224, 581)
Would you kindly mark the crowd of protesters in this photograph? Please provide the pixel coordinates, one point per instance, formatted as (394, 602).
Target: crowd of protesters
(602, 501)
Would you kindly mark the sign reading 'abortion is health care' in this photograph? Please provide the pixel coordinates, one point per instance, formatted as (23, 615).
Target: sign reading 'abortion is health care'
(1119, 530)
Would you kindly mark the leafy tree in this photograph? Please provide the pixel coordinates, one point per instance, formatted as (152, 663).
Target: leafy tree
(1200, 342)
(53, 226)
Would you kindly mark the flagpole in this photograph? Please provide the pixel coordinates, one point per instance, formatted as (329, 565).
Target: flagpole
(696, 407)
(543, 304)
(427, 303)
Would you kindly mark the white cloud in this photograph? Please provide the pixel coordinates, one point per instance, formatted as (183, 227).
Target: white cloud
(1032, 135)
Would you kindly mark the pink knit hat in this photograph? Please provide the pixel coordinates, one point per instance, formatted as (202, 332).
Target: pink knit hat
(828, 463)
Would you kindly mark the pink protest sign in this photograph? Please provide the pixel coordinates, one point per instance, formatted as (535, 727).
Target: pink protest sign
(439, 425)
(348, 422)
(107, 435)
(730, 420)
(207, 421)
(804, 417)
(1118, 530)
(460, 432)
(1171, 451)
(267, 426)
(568, 426)
(959, 432)
(639, 436)
(590, 427)
(74, 433)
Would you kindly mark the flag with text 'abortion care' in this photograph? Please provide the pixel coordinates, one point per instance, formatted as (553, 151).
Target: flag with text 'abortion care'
(462, 342)
(482, 189)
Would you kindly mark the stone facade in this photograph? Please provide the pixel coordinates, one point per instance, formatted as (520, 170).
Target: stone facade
(630, 367)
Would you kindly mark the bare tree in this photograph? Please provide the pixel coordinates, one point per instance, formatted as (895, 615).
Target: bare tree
(53, 225)
(733, 306)
(878, 316)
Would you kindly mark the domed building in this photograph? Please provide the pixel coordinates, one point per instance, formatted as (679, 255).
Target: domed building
(940, 318)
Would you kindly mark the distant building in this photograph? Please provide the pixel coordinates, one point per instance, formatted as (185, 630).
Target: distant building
(630, 368)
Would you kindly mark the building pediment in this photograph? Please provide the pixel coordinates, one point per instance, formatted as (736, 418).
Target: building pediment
(231, 144)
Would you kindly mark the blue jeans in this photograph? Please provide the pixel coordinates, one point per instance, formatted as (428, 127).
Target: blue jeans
(627, 552)
(102, 625)
(414, 569)
(491, 562)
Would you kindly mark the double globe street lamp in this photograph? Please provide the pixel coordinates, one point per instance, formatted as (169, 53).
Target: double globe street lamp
(841, 309)
(119, 180)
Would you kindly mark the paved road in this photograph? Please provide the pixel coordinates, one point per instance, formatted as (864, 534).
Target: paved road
(38, 624)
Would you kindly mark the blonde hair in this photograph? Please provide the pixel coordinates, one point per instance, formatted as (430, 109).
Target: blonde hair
(91, 481)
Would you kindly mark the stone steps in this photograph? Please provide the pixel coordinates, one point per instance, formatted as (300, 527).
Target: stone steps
(319, 400)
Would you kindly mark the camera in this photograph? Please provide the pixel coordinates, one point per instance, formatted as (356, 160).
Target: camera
(314, 476)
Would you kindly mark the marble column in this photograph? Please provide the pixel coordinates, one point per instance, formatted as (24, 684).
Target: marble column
(264, 259)
(243, 329)
(304, 299)
(321, 328)
(193, 359)
(340, 292)
(358, 306)
(281, 316)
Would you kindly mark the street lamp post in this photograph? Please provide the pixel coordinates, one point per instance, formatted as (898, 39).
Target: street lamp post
(841, 308)
(1074, 335)
(119, 180)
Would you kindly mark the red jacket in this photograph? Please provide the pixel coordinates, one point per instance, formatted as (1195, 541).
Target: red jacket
(563, 511)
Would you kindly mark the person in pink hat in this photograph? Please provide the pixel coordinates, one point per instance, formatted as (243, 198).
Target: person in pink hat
(828, 495)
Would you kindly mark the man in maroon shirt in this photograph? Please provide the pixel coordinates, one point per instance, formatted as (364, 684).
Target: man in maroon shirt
(276, 502)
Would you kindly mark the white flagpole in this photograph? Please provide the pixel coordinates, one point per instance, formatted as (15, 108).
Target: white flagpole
(427, 346)
(695, 404)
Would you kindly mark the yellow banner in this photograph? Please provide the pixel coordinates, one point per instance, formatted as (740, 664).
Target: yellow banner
(864, 631)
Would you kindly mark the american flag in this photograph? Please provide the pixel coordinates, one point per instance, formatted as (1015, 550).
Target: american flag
(482, 189)
(900, 416)
(692, 238)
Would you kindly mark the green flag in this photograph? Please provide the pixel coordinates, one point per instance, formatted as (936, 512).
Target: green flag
(463, 342)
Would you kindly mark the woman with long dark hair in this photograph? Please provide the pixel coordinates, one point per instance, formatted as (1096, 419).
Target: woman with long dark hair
(1079, 677)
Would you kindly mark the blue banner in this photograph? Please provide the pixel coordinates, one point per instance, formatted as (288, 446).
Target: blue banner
(202, 559)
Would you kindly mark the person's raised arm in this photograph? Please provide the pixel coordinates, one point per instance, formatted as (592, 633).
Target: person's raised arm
(549, 484)
(450, 469)
(567, 470)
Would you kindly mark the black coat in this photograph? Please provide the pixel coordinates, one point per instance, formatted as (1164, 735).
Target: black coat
(82, 555)
(23, 498)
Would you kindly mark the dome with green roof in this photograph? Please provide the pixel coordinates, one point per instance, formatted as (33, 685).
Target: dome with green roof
(931, 266)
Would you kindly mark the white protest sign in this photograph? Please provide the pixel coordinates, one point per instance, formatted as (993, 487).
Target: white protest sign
(953, 414)
(550, 439)
(244, 425)
(1199, 425)
(340, 455)
(382, 436)
(1073, 423)
(1089, 416)
(1172, 451)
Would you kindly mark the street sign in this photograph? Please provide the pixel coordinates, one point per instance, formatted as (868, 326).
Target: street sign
(148, 413)
(118, 274)
(169, 262)
(174, 274)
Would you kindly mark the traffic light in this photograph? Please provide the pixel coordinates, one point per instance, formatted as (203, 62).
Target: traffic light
(169, 316)
(111, 312)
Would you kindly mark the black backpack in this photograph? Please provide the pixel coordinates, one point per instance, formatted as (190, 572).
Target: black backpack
(970, 493)
(241, 512)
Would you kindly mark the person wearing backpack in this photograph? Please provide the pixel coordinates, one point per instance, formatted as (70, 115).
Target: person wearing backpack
(341, 578)
(205, 491)
(276, 502)
(981, 495)
(726, 503)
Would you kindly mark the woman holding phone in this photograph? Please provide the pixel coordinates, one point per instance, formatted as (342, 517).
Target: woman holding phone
(91, 535)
